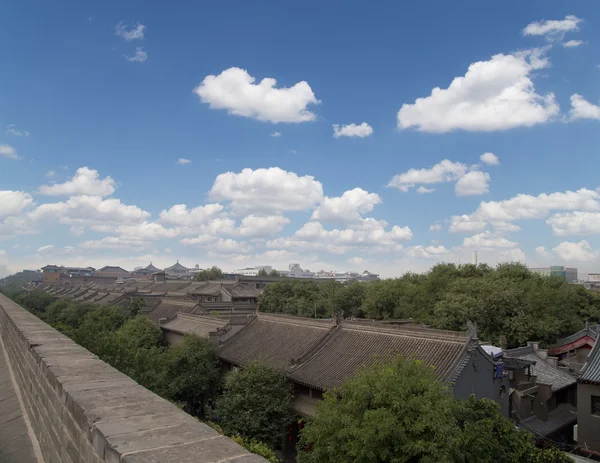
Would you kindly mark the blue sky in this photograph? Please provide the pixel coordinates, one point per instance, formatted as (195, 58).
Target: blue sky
(99, 103)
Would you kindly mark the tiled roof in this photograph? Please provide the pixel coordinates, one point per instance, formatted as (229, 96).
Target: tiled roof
(111, 298)
(273, 339)
(208, 288)
(240, 291)
(168, 308)
(113, 269)
(590, 330)
(305, 406)
(355, 345)
(590, 372)
(177, 266)
(544, 371)
(197, 324)
(152, 268)
(563, 415)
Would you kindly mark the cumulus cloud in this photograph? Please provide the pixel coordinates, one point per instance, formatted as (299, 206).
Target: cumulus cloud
(488, 239)
(497, 94)
(86, 181)
(575, 223)
(473, 183)
(234, 90)
(352, 130)
(13, 202)
(115, 243)
(266, 190)
(356, 261)
(572, 43)
(46, 248)
(423, 190)
(541, 250)
(50, 174)
(257, 226)
(435, 227)
(489, 158)
(570, 251)
(180, 215)
(553, 28)
(346, 208)
(138, 57)
(12, 129)
(276, 134)
(130, 33)
(426, 252)
(8, 151)
(523, 206)
(583, 109)
(444, 171)
(183, 161)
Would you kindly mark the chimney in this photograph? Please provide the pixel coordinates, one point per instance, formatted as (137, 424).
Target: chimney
(474, 258)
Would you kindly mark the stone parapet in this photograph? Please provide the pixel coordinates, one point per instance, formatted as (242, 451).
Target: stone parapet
(82, 410)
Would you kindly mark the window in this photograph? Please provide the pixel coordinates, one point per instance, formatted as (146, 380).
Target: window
(596, 405)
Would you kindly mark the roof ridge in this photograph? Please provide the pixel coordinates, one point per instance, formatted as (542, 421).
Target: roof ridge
(425, 333)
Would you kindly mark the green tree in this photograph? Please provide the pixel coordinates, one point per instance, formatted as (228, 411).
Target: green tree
(262, 273)
(273, 273)
(192, 373)
(136, 306)
(256, 404)
(213, 273)
(393, 411)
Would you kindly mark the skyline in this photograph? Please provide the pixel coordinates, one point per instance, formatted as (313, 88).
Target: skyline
(150, 140)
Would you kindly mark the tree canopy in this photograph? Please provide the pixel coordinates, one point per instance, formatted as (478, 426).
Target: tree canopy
(507, 301)
(213, 273)
(256, 404)
(396, 411)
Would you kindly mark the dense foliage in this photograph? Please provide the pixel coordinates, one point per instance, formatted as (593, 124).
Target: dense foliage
(256, 404)
(213, 273)
(396, 411)
(505, 301)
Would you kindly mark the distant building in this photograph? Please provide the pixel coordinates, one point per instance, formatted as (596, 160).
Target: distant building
(254, 271)
(51, 274)
(295, 271)
(594, 277)
(177, 270)
(80, 272)
(567, 274)
(112, 271)
(146, 272)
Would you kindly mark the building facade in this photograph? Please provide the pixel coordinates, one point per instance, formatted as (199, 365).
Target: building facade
(565, 273)
(588, 402)
(51, 274)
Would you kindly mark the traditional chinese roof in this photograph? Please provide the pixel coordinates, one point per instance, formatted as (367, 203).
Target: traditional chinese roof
(200, 325)
(590, 373)
(177, 267)
(545, 373)
(354, 345)
(583, 337)
(168, 308)
(113, 269)
(241, 291)
(277, 340)
(208, 288)
(152, 268)
(563, 415)
(305, 406)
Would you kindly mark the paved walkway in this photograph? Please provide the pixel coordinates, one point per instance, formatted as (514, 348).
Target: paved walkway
(15, 443)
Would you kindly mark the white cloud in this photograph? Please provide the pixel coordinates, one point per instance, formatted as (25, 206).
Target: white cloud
(488, 239)
(234, 90)
(50, 174)
(512, 255)
(493, 95)
(583, 109)
(13, 202)
(266, 190)
(139, 57)
(553, 28)
(183, 161)
(570, 251)
(522, 206)
(180, 215)
(276, 134)
(8, 152)
(356, 261)
(346, 208)
(46, 248)
(444, 171)
(572, 43)
(133, 33)
(489, 158)
(541, 250)
(472, 183)
(86, 181)
(352, 130)
(435, 227)
(575, 223)
(256, 225)
(116, 243)
(369, 233)
(145, 231)
(426, 252)
(422, 190)
(13, 130)
(2, 253)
